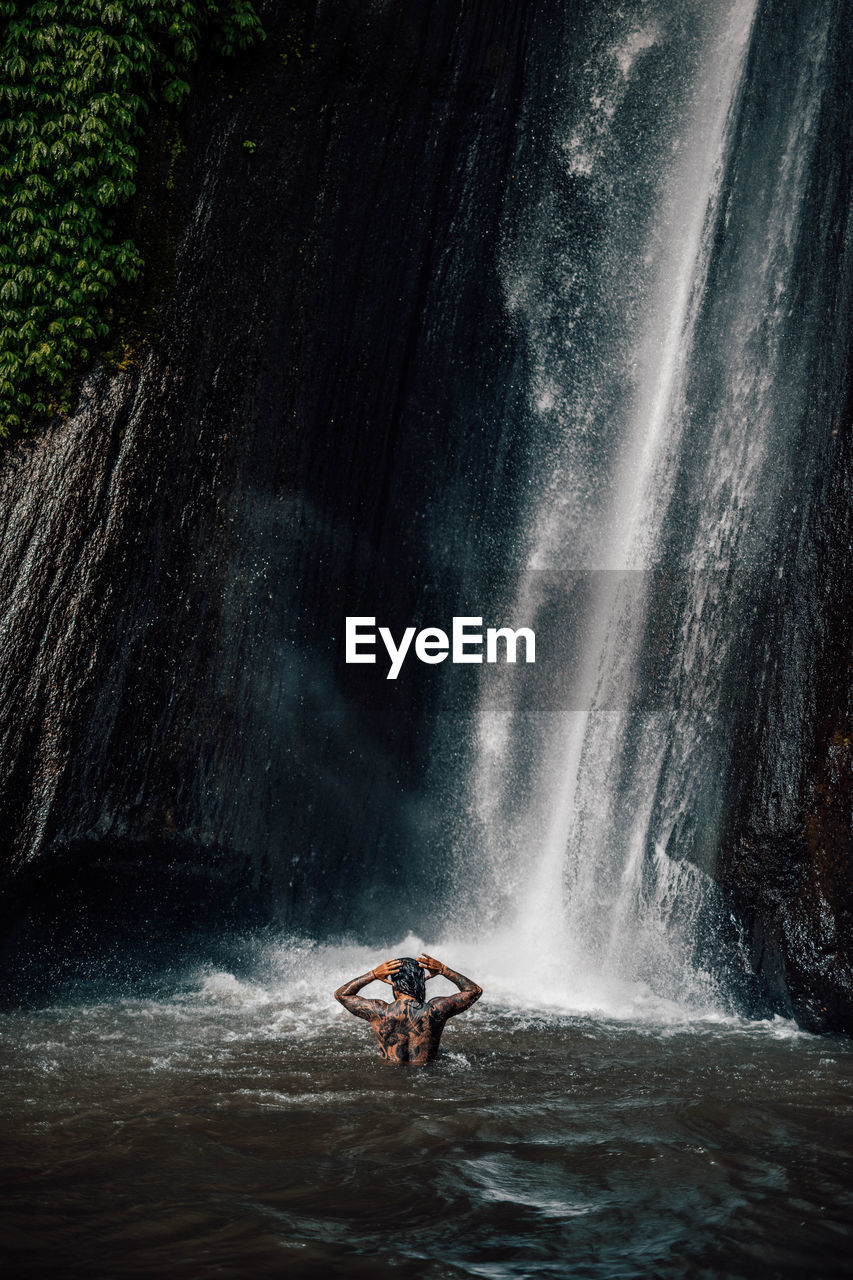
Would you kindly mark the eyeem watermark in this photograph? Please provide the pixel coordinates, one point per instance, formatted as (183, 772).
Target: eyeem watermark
(432, 645)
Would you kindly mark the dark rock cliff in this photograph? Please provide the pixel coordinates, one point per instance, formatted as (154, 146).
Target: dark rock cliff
(324, 425)
(787, 856)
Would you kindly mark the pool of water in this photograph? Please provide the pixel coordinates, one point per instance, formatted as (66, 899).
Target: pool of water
(244, 1125)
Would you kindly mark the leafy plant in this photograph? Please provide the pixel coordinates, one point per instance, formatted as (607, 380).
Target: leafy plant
(77, 78)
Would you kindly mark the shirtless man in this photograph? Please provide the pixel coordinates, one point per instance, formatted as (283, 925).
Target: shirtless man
(409, 1029)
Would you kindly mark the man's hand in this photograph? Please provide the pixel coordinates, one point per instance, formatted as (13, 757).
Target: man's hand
(445, 1007)
(384, 971)
(433, 967)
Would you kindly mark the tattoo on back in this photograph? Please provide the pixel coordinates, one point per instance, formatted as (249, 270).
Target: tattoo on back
(406, 1030)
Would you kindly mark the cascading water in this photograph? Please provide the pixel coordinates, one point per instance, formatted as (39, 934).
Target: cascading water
(677, 210)
(655, 320)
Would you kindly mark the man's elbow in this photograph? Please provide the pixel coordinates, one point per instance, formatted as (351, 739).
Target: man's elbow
(477, 992)
(339, 995)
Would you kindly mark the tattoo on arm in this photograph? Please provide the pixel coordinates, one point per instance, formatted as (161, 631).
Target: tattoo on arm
(449, 1006)
(351, 1000)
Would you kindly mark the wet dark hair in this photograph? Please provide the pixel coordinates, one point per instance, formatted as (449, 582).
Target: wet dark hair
(409, 979)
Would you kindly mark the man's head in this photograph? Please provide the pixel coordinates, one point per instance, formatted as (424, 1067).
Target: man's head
(409, 980)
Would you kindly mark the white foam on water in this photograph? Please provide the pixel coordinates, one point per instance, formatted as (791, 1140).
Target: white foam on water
(290, 993)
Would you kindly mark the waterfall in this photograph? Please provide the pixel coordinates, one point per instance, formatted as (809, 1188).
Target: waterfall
(649, 275)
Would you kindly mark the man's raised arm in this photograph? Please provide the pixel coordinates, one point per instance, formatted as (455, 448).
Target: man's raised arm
(348, 995)
(448, 1006)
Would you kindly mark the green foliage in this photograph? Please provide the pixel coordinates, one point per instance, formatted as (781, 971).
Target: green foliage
(77, 78)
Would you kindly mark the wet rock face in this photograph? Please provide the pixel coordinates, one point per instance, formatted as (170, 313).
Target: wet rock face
(788, 860)
(793, 891)
(787, 855)
(178, 557)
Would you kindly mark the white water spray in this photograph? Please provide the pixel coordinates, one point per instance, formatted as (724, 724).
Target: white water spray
(572, 859)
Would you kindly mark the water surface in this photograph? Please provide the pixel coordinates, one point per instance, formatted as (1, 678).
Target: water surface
(247, 1127)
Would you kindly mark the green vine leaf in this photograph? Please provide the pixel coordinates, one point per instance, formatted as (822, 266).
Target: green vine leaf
(76, 82)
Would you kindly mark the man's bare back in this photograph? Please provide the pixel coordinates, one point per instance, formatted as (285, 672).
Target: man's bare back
(409, 1028)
